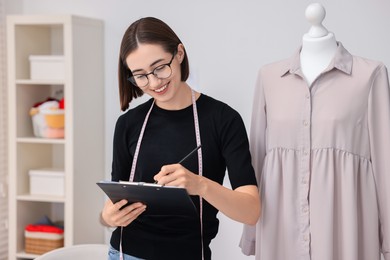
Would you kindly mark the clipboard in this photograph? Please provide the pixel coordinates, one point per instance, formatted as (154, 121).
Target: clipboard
(160, 200)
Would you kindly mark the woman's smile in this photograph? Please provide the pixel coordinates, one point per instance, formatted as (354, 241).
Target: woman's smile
(162, 89)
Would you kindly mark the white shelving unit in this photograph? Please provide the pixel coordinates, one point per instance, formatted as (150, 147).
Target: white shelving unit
(81, 152)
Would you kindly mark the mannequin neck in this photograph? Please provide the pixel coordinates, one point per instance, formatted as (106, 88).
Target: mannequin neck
(316, 55)
(318, 46)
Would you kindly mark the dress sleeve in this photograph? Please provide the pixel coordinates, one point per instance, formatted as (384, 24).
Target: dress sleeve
(379, 131)
(257, 144)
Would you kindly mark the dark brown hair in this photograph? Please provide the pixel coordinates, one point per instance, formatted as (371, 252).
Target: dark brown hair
(147, 30)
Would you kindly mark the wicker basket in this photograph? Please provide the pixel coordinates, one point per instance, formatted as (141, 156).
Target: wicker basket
(40, 246)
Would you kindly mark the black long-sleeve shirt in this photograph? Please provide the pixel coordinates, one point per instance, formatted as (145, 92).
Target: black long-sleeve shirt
(168, 137)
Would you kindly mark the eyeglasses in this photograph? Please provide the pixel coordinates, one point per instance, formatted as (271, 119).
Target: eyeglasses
(161, 72)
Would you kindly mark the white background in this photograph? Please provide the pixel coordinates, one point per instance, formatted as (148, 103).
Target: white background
(227, 42)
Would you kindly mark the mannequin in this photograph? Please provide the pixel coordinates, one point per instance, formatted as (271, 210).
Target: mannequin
(318, 45)
(321, 153)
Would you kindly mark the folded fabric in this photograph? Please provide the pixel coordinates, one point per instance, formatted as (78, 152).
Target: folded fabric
(44, 232)
(44, 228)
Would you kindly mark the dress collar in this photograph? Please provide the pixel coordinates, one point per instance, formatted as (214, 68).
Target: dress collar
(342, 61)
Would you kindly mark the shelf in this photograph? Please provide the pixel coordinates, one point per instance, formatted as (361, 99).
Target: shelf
(23, 254)
(40, 198)
(39, 140)
(80, 154)
(39, 82)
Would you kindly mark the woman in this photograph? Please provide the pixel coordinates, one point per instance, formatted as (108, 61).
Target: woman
(150, 139)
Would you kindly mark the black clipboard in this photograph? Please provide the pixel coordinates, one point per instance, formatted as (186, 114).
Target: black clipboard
(159, 200)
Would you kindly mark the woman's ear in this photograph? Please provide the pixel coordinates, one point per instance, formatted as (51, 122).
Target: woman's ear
(180, 52)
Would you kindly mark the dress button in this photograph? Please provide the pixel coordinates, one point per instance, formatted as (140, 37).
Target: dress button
(304, 180)
(305, 123)
(307, 96)
(305, 209)
(306, 237)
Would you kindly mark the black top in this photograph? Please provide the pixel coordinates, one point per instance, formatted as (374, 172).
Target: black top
(168, 137)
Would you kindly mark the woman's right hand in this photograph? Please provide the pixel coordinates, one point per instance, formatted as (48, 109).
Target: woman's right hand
(114, 216)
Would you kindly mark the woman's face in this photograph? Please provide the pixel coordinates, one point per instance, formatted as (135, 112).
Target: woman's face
(147, 64)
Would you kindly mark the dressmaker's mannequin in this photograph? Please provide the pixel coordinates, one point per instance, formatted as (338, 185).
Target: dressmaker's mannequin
(318, 45)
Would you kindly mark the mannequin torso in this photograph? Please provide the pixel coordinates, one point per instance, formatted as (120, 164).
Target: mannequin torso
(318, 45)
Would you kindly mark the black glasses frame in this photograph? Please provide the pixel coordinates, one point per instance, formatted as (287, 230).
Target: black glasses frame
(133, 81)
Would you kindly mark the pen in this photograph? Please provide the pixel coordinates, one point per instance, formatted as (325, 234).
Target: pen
(188, 155)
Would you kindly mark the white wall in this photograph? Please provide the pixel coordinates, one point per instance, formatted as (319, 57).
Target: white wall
(227, 42)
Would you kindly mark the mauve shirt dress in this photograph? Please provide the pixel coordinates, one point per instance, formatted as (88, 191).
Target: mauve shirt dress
(322, 158)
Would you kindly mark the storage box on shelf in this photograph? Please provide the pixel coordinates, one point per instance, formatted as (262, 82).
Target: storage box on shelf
(48, 55)
(47, 67)
(47, 182)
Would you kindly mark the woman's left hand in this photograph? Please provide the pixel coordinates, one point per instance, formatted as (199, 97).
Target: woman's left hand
(179, 176)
